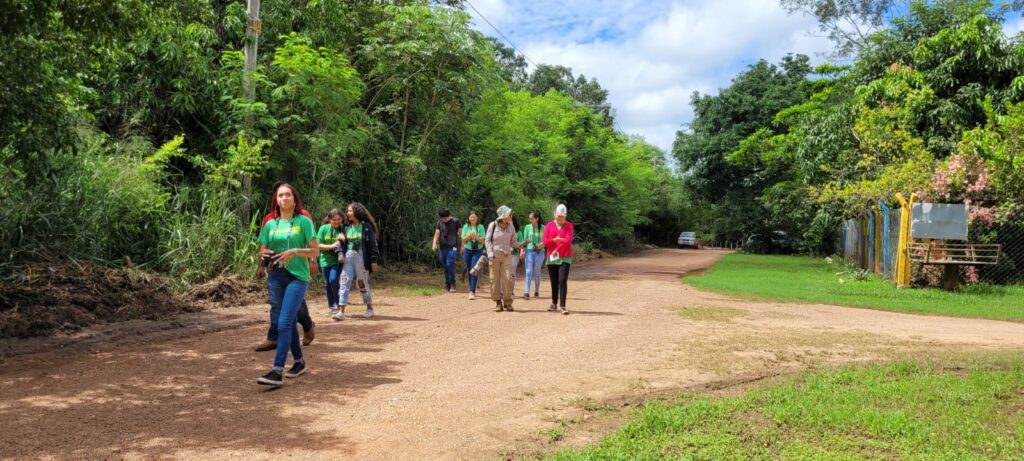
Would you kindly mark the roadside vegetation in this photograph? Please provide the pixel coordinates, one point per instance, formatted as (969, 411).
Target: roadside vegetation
(967, 408)
(816, 280)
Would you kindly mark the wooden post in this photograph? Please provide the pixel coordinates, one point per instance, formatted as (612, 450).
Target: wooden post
(950, 277)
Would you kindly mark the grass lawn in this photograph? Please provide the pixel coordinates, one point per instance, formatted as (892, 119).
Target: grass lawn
(812, 280)
(905, 410)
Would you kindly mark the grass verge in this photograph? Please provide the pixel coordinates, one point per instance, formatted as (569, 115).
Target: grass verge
(903, 410)
(805, 279)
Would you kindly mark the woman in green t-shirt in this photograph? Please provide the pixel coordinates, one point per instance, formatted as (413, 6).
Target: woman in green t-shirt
(473, 243)
(359, 256)
(287, 242)
(533, 249)
(327, 239)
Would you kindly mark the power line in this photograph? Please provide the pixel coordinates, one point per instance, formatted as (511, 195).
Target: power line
(478, 13)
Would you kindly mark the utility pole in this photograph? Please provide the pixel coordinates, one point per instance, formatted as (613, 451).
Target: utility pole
(252, 36)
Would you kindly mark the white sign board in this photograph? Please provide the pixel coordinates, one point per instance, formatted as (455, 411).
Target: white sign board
(941, 221)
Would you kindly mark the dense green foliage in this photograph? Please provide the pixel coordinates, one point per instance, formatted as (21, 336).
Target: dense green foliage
(928, 105)
(399, 105)
(951, 409)
(813, 280)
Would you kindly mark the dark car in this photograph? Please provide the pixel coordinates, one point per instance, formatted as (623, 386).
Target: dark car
(775, 242)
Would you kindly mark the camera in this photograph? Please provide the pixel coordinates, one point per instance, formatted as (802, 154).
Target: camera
(267, 260)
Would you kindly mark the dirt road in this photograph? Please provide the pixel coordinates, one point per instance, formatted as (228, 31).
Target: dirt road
(443, 377)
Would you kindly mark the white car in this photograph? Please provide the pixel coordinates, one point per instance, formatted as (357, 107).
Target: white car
(688, 240)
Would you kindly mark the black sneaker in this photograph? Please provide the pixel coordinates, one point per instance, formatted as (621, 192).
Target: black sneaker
(296, 370)
(552, 307)
(271, 379)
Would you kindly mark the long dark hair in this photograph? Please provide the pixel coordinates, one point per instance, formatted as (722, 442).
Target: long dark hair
(472, 213)
(363, 215)
(540, 217)
(295, 194)
(334, 212)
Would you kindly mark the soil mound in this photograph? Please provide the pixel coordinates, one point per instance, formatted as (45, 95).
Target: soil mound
(227, 291)
(65, 297)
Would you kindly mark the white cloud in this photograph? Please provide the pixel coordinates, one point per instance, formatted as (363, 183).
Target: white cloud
(651, 56)
(1013, 26)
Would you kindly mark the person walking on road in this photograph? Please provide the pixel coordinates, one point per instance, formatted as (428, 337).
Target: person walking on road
(359, 257)
(533, 252)
(557, 240)
(446, 243)
(327, 239)
(473, 248)
(500, 240)
(303, 317)
(287, 243)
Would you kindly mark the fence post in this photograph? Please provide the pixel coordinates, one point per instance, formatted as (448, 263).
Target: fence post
(886, 233)
(903, 256)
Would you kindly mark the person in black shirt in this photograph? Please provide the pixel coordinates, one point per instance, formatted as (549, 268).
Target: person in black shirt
(446, 243)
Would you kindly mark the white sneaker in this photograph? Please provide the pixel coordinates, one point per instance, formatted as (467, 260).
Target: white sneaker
(472, 296)
(369, 313)
(339, 316)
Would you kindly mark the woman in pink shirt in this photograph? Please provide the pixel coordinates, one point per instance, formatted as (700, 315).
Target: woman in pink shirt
(558, 243)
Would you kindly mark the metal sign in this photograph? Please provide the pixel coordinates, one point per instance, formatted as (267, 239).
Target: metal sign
(942, 221)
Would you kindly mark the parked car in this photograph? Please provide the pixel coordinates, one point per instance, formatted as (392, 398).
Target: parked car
(775, 242)
(688, 240)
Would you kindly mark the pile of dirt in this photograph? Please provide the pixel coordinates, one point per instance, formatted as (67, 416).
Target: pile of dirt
(67, 296)
(580, 255)
(227, 291)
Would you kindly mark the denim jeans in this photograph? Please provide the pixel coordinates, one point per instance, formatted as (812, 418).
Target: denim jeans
(275, 311)
(331, 285)
(534, 261)
(353, 270)
(471, 257)
(447, 257)
(288, 294)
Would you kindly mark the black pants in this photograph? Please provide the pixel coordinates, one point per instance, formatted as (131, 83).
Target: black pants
(559, 276)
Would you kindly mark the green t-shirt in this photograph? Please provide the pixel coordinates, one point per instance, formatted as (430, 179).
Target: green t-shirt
(480, 230)
(354, 235)
(326, 236)
(285, 234)
(532, 236)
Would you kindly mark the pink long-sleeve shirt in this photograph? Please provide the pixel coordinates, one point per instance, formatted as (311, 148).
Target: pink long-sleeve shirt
(564, 248)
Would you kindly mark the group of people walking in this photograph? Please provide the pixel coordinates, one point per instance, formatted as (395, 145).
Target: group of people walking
(345, 246)
(502, 246)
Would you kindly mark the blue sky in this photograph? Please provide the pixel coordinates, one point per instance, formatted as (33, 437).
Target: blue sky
(652, 55)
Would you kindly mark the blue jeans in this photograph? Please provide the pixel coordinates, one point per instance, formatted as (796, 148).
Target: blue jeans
(331, 285)
(447, 257)
(275, 311)
(534, 261)
(288, 294)
(354, 269)
(471, 257)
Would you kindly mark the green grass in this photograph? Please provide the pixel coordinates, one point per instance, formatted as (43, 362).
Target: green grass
(812, 280)
(412, 291)
(906, 410)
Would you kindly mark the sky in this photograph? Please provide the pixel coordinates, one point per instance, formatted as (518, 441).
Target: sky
(652, 55)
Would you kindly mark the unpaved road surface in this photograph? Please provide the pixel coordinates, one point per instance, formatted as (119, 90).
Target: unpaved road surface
(441, 377)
